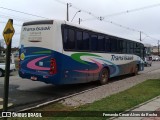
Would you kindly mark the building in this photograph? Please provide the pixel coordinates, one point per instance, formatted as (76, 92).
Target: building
(155, 50)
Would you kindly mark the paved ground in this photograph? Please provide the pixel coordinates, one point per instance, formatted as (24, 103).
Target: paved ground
(111, 88)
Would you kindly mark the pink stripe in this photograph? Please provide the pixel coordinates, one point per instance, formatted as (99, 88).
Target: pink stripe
(32, 64)
(92, 71)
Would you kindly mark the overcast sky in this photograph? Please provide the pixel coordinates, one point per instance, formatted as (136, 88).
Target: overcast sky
(145, 20)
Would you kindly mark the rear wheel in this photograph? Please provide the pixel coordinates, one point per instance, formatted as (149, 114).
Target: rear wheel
(136, 70)
(104, 76)
(1, 73)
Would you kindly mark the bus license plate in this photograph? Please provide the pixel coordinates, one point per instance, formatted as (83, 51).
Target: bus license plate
(33, 78)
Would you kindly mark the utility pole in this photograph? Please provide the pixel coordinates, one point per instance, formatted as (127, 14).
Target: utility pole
(140, 36)
(67, 11)
(158, 47)
(79, 20)
(68, 5)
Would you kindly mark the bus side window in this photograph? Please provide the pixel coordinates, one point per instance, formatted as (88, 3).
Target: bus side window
(71, 40)
(94, 41)
(128, 47)
(101, 43)
(82, 40)
(108, 44)
(124, 46)
(85, 41)
(79, 40)
(131, 47)
(113, 45)
(65, 38)
(119, 46)
(135, 48)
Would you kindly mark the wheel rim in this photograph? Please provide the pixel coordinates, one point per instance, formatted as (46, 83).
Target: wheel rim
(104, 76)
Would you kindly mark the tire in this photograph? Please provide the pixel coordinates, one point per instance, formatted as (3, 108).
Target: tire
(136, 70)
(104, 76)
(1, 73)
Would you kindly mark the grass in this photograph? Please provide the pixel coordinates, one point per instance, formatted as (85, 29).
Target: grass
(115, 103)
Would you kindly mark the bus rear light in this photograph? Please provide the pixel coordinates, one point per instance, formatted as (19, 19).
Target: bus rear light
(53, 67)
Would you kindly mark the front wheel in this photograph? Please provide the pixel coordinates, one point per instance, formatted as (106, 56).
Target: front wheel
(104, 76)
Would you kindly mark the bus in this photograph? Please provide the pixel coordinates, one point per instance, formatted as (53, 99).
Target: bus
(59, 52)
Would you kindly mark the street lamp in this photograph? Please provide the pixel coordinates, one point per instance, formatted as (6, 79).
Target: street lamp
(75, 14)
(68, 5)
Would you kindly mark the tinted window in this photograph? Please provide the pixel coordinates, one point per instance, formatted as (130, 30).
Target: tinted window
(131, 47)
(79, 40)
(134, 45)
(65, 38)
(108, 45)
(94, 42)
(124, 44)
(128, 47)
(113, 45)
(85, 41)
(119, 46)
(101, 43)
(71, 40)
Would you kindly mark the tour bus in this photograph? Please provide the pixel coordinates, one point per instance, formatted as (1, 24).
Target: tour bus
(59, 52)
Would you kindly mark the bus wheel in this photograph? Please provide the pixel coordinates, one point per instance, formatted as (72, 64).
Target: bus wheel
(1, 73)
(104, 76)
(136, 70)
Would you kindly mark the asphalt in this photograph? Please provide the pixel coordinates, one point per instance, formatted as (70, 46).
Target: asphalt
(149, 110)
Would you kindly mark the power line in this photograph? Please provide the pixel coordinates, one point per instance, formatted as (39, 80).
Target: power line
(127, 11)
(15, 18)
(122, 26)
(64, 3)
(133, 10)
(150, 36)
(22, 12)
(130, 29)
(13, 23)
(6, 15)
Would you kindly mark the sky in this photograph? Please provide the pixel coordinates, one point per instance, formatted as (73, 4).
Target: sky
(142, 15)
